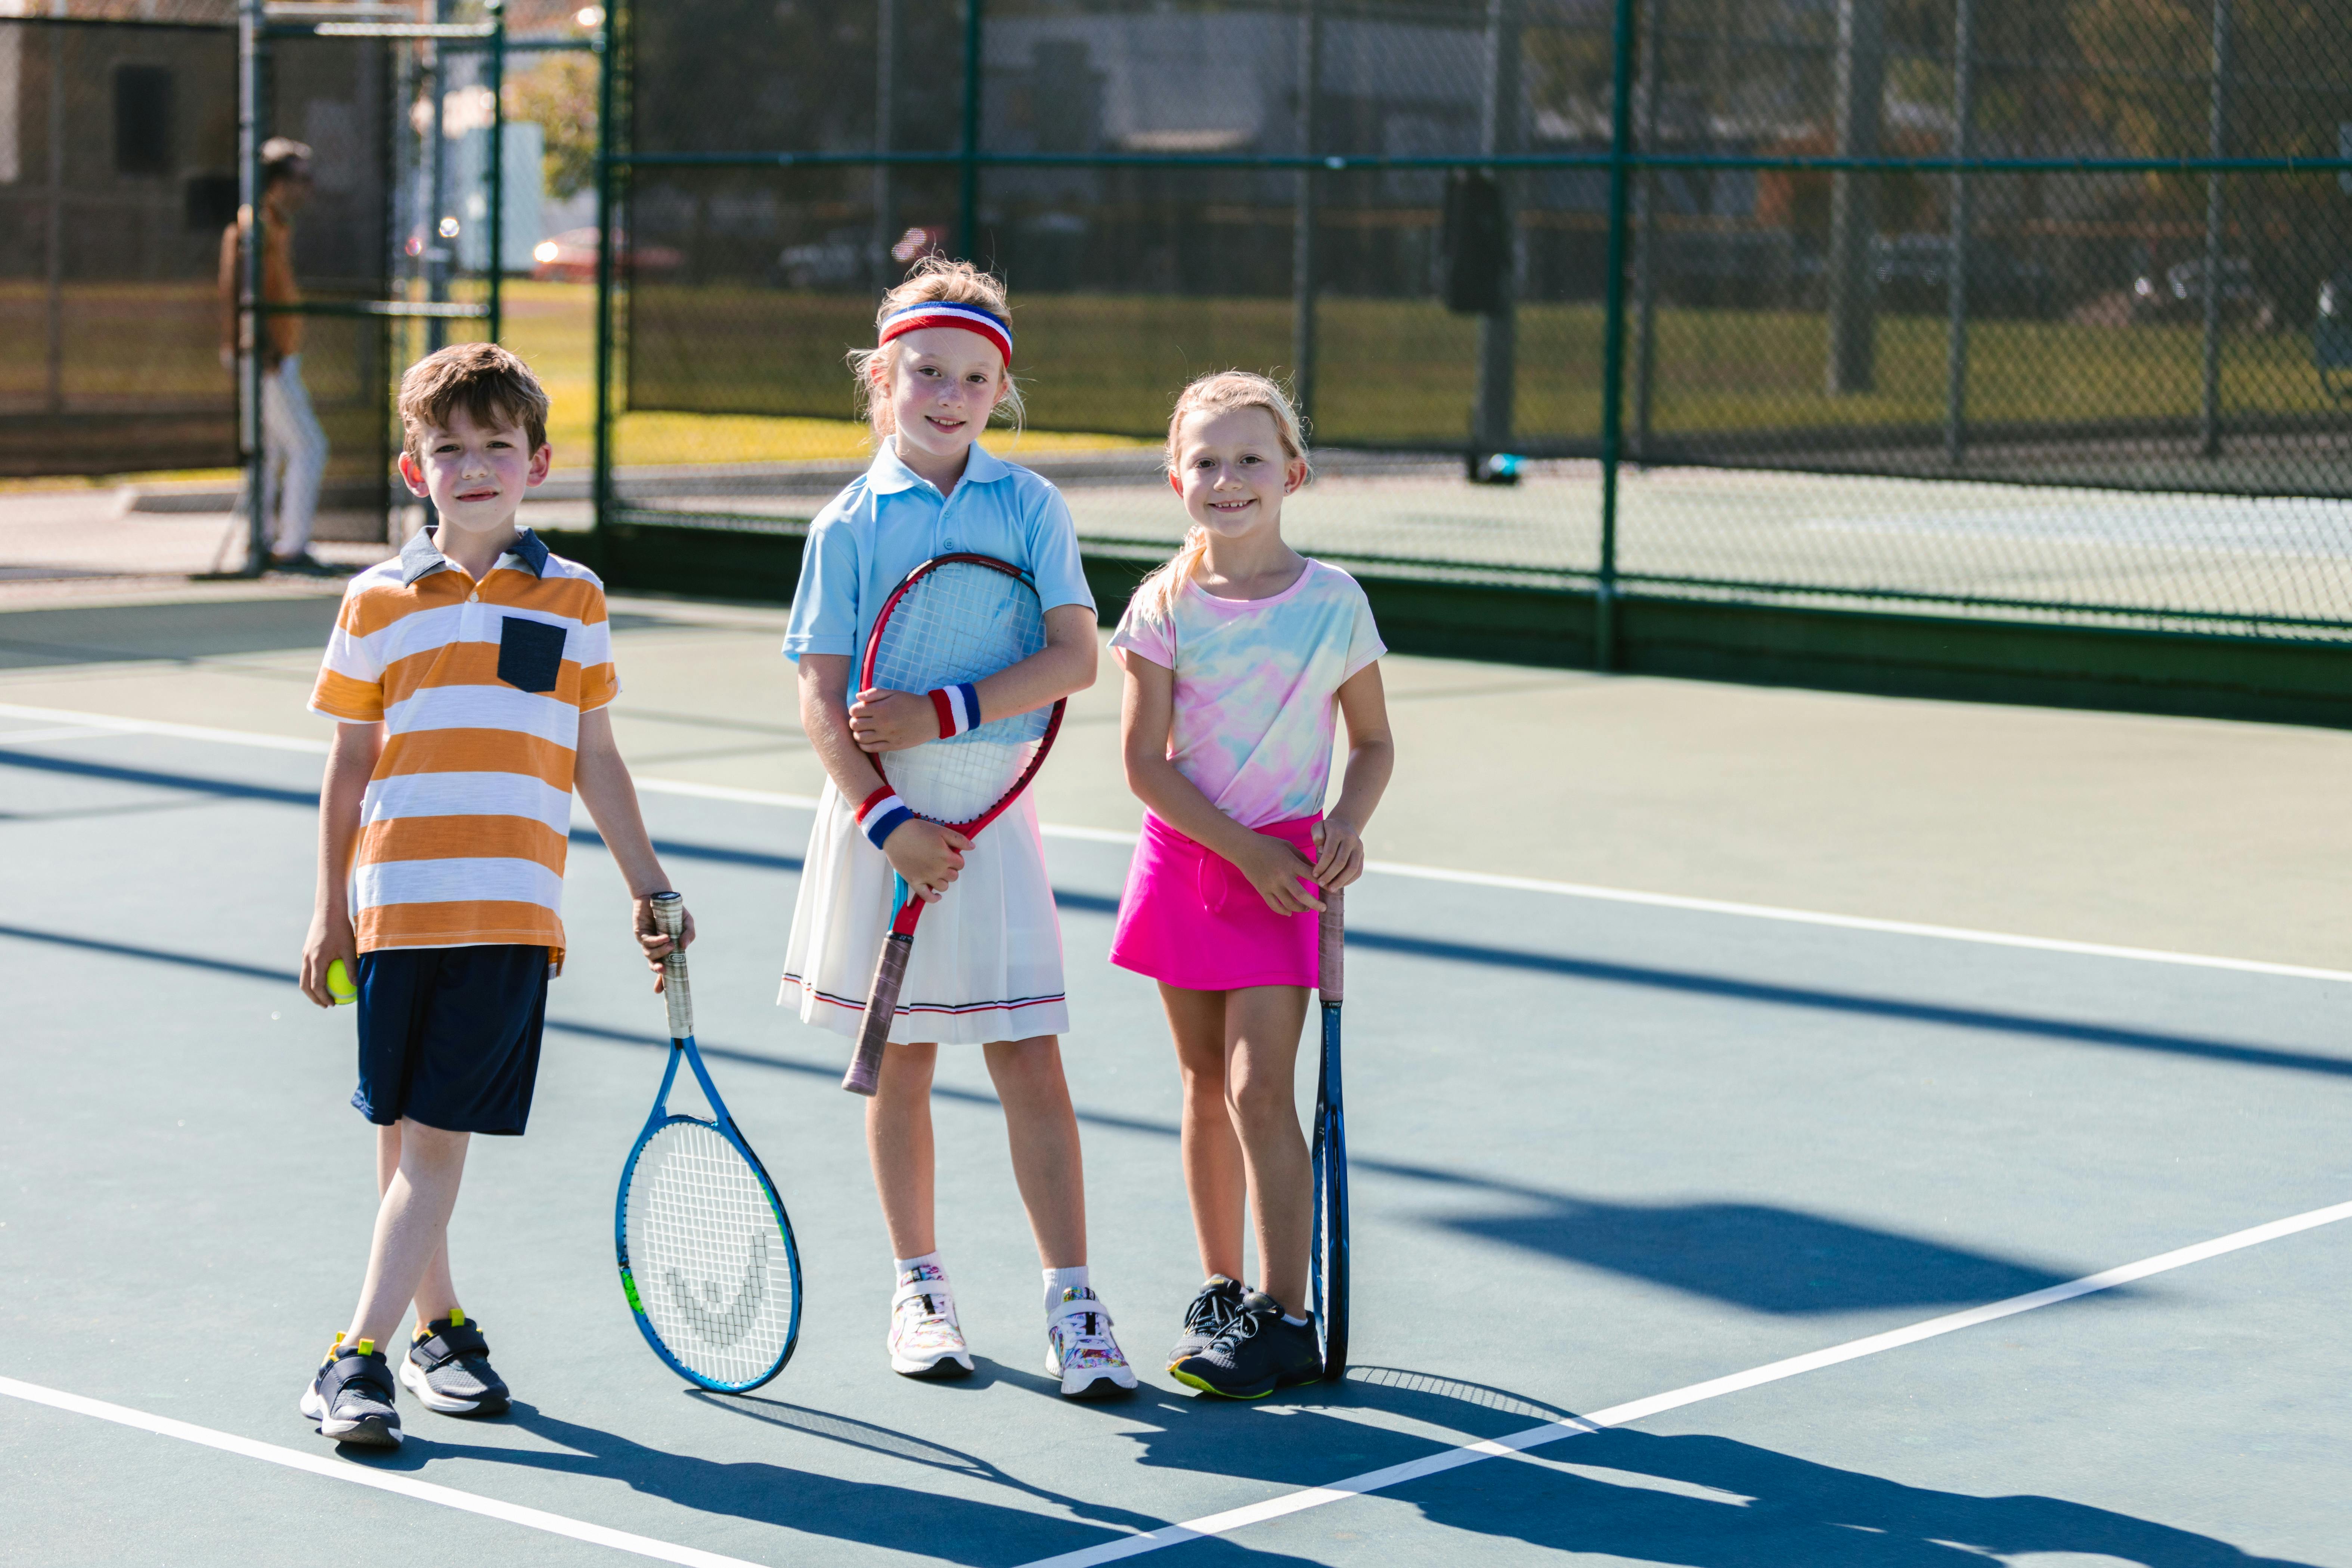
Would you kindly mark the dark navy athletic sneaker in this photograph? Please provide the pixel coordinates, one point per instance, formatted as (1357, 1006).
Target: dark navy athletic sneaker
(1255, 1353)
(351, 1399)
(448, 1369)
(1211, 1310)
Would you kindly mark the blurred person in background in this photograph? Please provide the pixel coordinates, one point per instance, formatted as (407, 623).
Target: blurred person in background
(293, 447)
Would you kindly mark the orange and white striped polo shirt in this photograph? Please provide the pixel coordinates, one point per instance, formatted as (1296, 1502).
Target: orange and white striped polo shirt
(479, 687)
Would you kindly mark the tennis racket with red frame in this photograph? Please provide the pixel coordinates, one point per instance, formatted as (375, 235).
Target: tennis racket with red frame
(956, 618)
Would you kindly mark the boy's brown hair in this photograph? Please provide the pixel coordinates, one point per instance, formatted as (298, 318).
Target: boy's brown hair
(490, 384)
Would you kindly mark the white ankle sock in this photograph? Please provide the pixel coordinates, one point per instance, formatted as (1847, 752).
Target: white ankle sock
(1294, 1323)
(904, 1264)
(1060, 1279)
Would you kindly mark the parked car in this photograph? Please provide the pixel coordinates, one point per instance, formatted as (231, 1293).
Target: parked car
(844, 258)
(2178, 293)
(1914, 274)
(570, 258)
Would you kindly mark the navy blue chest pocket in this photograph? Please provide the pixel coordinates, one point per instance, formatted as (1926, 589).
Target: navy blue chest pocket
(531, 653)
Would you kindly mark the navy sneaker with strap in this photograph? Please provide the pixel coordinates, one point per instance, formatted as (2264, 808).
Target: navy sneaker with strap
(1255, 1353)
(1211, 1310)
(352, 1397)
(448, 1369)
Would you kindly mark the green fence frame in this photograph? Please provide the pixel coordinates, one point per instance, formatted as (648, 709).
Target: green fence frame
(1614, 625)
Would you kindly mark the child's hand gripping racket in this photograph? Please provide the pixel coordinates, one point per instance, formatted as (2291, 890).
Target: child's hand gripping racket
(1328, 1256)
(707, 1256)
(956, 620)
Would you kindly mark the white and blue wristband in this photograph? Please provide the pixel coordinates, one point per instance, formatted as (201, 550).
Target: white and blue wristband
(957, 707)
(881, 813)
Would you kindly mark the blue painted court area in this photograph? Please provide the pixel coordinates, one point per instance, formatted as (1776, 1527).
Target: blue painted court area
(1604, 1153)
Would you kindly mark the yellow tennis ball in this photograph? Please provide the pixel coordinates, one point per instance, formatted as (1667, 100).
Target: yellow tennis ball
(339, 983)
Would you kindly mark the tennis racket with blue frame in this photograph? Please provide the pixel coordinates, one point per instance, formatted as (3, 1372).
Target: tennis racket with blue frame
(1329, 1255)
(706, 1255)
(955, 618)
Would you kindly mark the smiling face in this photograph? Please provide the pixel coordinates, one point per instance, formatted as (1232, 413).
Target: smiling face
(943, 382)
(476, 473)
(1232, 472)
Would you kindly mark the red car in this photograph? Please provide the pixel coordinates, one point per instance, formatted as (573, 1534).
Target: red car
(570, 258)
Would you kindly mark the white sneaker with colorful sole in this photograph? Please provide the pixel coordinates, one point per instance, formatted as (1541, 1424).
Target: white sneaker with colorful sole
(1080, 1350)
(925, 1339)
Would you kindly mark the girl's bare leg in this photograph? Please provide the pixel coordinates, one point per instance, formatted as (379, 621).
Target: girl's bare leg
(1044, 1131)
(1215, 1178)
(1261, 1027)
(898, 1142)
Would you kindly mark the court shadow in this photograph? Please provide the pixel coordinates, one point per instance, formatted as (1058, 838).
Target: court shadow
(897, 1445)
(1757, 1255)
(188, 633)
(1713, 1502)
(915, 1520)
(1697, 1501)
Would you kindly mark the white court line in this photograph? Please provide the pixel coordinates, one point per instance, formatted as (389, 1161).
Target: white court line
(1384, 868)
(381, 1480)
(1233, 1518)
(1714, 1388)
(62, 732)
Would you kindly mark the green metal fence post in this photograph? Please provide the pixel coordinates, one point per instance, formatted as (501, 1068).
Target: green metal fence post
(968, 194)
(252, 325)
(497, 155)
(2217, 141)
(602, 482)
(1305, 264)
(1612, 345)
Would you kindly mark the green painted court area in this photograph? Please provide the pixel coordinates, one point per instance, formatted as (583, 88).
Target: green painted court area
(1790, 1131)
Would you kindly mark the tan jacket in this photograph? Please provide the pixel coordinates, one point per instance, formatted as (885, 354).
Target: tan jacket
(277, 286)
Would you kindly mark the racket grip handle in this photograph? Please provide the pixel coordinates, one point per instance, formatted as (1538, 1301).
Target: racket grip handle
(1331, 946)
(864, 1073)
(669, 919)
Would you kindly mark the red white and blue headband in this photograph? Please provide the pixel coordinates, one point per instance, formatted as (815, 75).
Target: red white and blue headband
(938, 313)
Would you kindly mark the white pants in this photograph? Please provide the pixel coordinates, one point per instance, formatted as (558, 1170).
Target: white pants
(293, 458)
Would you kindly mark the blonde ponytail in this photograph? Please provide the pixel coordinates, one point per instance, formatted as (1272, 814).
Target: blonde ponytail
(1223, 392)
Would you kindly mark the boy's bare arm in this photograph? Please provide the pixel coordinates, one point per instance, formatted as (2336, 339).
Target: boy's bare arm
(1065, 664)
(928, 856)
(602, 779)
(350, 762)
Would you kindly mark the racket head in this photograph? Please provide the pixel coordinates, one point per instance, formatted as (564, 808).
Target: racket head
(958, 618)
(708, 1260)
(1327, 1251)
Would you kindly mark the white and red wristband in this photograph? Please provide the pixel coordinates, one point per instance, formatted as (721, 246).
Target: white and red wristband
(881, 813)
(958, 708)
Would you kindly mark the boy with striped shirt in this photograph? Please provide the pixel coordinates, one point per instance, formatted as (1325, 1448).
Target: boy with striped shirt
(470, 676)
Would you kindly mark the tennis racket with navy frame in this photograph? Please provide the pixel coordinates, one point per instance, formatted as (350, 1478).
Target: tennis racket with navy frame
(954, 621)
(706, 1255)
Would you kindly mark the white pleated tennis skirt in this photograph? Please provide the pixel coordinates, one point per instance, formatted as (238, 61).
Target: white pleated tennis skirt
(987, 964)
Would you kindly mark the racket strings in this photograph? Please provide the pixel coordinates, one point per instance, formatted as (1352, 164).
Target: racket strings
(960, 622)
(711, 1263)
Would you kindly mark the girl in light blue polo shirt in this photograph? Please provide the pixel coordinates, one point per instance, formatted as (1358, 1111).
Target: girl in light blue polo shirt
(988, 970)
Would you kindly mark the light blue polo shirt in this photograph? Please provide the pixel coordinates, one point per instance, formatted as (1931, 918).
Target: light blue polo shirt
(891, 520)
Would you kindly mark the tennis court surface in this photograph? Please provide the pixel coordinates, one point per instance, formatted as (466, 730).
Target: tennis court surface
(1689, 1229)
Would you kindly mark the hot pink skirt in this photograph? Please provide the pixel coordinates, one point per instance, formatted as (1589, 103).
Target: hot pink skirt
(1190, 918)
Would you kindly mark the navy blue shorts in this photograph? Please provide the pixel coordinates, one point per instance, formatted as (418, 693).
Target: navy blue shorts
(450, 1036)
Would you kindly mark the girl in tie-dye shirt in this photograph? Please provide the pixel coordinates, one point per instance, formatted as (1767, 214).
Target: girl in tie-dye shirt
(1236, 653)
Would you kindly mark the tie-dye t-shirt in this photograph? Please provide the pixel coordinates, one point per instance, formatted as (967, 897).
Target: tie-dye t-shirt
(1257, 684)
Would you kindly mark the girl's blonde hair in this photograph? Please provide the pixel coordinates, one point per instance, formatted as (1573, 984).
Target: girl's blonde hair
(935, 279)
(1222, 392)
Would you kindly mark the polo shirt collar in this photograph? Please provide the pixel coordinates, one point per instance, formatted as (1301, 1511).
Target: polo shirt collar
(421, 557)
(888, 475)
